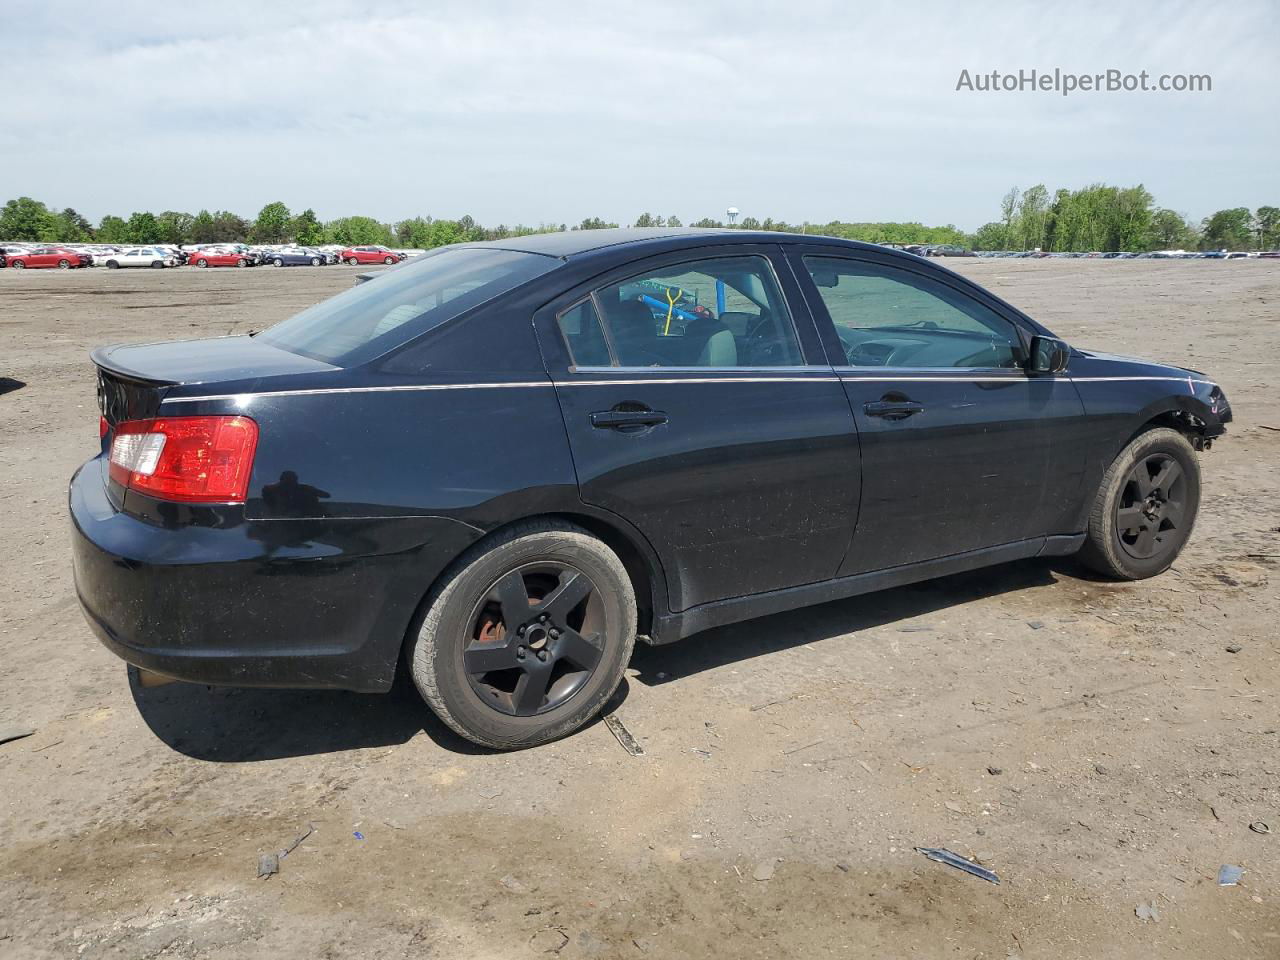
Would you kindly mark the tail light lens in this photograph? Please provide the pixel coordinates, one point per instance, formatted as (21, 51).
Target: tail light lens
(187, 459)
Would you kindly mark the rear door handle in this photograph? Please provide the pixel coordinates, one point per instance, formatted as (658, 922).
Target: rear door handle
(621, 419)
(893, 409)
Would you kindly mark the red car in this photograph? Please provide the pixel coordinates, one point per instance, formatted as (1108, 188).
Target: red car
(49, 257)
(212, 258)
(355, 255)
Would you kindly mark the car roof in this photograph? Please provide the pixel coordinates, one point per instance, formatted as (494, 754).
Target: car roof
(565, 244)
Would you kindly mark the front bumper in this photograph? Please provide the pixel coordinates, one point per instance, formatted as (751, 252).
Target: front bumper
(313, 603)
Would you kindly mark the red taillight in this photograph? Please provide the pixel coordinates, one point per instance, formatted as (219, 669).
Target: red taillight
(189, 459)
(103, 427)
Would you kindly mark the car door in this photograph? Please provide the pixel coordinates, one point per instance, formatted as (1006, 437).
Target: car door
(962, 448)
(699, 407)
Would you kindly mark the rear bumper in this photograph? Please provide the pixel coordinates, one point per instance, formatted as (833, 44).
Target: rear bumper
(313, 603)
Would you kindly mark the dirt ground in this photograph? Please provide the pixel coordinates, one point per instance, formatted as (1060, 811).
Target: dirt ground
(1093, 743)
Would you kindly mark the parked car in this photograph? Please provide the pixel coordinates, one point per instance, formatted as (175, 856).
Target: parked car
(357, 255)
(294, 258)
(140, 257)
(220, 258)
(49, 257)
(946, 250)
(501, 462)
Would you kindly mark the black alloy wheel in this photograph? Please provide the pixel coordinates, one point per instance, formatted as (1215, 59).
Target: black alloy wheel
(527, 636)
(1151, 508)
(1145, 507)
(534, 639)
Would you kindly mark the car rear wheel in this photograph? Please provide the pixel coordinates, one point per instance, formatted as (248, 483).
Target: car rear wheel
(242, 262)
(388, 260)
(18, 265)
(278, 262)
(1145, 507)
(353, 261)
(526, 638)
(157, 264)
(64, 265)
(202, 262)
(112, 265)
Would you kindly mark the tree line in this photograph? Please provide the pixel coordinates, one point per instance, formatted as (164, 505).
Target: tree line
(1105, 218)
(1098, 217)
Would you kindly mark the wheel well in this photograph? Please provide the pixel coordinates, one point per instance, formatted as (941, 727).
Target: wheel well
(1186, 423)
(635, 562)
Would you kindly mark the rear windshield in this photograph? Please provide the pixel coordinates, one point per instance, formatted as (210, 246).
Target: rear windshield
(372, 318)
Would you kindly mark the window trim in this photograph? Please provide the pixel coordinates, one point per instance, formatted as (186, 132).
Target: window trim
(593, 296)
(604, 332)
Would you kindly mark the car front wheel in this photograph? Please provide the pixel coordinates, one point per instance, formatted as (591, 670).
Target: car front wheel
(388, 260)
(353, 261)
(526, 638)
(1145, 507)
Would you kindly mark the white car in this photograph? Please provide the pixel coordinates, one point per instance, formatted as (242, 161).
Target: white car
(141, 257)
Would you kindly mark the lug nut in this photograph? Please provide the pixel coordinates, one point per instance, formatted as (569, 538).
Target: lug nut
(555, 634)
(542, 655)
(520, 631)
(544, 618)
(519, 653)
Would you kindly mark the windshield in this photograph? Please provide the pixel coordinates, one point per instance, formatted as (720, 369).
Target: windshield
(372, 318)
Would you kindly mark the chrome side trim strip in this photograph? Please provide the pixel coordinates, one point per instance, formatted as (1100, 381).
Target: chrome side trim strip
(400, 388)
(665, 380)
(531, 384)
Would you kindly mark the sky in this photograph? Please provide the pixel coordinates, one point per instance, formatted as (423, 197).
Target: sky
(556, 111)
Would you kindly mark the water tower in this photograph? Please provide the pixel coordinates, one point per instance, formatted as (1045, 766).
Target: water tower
(732, 214)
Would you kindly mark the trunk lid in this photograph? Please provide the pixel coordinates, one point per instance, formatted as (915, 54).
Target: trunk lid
(134, 378)
(203, 361)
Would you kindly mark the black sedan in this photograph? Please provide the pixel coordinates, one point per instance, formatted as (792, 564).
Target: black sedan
(293, 258)
(500, 463)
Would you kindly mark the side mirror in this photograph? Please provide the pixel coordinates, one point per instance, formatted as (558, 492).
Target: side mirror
(1048, 355)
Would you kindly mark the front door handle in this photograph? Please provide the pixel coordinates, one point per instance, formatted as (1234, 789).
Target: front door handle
(893, 409)
(623, 419)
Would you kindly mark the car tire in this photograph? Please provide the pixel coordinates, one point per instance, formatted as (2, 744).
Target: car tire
(388, 260)
(525, 698)
(242, 262)
(315, 261)
(64, 264)
(18, 265)
(1145, 508)
(112, 265)
(157, 264)
(202, 262)
(278, 262)
(353, 261)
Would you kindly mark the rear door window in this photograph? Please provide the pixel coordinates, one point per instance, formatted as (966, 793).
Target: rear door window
(372, 318)
(722, 312)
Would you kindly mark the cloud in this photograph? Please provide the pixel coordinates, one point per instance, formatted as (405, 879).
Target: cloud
(557, 111)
